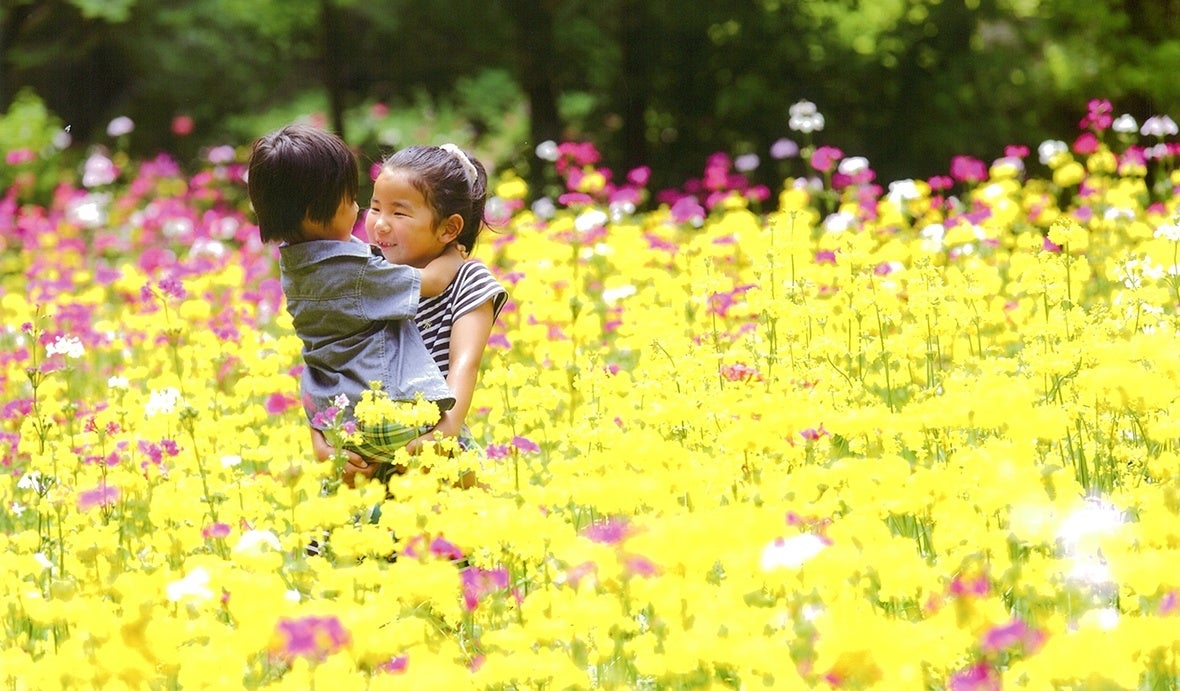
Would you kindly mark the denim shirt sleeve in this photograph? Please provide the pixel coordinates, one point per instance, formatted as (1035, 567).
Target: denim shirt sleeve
(388, 291)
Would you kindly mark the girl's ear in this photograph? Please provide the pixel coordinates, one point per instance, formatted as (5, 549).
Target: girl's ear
(450, 228)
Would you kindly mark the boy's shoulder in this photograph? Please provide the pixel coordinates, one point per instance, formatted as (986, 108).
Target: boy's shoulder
(318, 250)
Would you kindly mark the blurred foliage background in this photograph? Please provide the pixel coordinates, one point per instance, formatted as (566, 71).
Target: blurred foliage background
(905, 83)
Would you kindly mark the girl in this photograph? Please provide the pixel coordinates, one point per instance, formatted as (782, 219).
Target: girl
(427, 199)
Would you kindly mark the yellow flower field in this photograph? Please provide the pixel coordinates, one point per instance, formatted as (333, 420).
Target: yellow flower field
(919, 440)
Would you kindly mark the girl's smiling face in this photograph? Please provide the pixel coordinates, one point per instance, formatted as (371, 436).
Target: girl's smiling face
(403, 224)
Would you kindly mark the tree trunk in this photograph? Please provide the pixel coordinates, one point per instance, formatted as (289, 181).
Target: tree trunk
(636, 48)
(330, 55)
(534, 30)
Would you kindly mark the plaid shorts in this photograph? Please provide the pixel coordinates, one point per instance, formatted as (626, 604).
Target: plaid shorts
(380, 442)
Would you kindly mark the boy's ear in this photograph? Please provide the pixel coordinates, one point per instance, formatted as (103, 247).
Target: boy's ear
(450, 228)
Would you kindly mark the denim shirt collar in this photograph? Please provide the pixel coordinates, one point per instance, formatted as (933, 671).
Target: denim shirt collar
(299, 255)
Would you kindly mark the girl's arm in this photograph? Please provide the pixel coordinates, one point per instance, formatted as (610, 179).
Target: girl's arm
(469, 337)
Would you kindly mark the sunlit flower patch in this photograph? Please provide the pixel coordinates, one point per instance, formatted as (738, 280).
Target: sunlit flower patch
(922, 434)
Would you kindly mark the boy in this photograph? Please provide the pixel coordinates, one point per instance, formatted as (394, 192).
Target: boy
(353, 310)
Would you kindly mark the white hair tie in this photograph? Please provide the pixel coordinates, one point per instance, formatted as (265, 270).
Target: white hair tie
(468, 166)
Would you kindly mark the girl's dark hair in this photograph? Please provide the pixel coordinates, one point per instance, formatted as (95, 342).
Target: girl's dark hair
(442, 179)
(298, 172)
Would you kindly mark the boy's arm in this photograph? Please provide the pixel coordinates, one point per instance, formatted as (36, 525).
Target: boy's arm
(438, 274)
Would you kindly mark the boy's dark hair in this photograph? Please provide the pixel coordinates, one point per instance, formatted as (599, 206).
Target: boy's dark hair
(298, 172)
(446, 185)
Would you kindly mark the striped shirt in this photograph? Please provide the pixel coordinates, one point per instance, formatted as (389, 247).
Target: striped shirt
(473, 286)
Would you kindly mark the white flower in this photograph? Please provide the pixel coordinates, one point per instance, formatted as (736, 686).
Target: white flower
(1049, 149)
(853, 165)
(544, 208)
(89, 211)
(69, 346)
(613, 295)
(1169, 231)
(44, 561)
(839, 222)
(901, 191)
(621, 210)
(98, 170)
(120, 126)
(231, 461)
(293, 596)
(1159, 126)
(221, 154)
(791, 553)
(932, 237)
(589, 220)
(163, 401)
(32, 480)
(1124, 124)
(118, 382)
(254, 541)
(341, 401)
(746, 162)
(1093, 518)
(805, 117)
(547, 150)
(195, 585)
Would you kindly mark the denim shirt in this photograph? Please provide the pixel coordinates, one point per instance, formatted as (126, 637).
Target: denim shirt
(354, 312)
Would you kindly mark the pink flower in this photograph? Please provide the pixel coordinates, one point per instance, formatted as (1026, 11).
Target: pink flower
(608, 532)
(637, 565)
(277, 403)
(639, 176)
(215, 531)
(968, 169)
(740, 372)
(1011, 635)
(977, 677)
(814, 433)
(182, 125)
(1086, 143)
(479, 583)
(825, 158)
(19, 156)
(312, 637)
(441, 547)
(688, 210)
(103, 495)
(396, 665)
(525, 445)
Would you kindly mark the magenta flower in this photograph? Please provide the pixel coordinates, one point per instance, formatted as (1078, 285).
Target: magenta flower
(968, 169)
(215, 531)
(637, 565)
(608, 532)
(396, 664)
(639, 176)
(977, 677)
(1012, 635)
(814, 433)
(479, 583)
(103, 495)
(977, 586)
(441, 547)
(525, 445)
(277, 403)
(688, 210)
(1169, 604)
(1086, 143)
(825, 158)
(312, 637)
